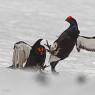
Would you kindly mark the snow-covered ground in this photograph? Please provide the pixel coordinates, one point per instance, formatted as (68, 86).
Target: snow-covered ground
(29, 20)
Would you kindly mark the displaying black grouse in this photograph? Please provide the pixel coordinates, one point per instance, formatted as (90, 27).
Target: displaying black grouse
(63, 46)
(37, 55)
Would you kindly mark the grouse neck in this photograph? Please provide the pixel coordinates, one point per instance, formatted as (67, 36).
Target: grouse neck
(74, 25)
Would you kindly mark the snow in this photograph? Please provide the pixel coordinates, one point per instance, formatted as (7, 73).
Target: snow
(29, 20)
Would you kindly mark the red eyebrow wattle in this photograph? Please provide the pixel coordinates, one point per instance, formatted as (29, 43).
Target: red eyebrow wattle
(39, 50)
(69, 17)
(42, 49)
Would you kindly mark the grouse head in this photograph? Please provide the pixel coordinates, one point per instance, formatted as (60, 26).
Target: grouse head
(71, 20)
(38, 48)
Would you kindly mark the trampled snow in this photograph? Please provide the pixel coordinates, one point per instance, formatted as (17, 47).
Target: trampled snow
(29, 20)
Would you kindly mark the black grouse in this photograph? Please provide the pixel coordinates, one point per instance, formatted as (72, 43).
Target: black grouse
(37, 55)
(63, 46)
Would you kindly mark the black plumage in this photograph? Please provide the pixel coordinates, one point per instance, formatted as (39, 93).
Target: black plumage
(63, 46)
(37, 55)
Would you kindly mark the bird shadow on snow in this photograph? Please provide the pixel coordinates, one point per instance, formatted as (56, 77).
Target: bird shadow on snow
(42, 78)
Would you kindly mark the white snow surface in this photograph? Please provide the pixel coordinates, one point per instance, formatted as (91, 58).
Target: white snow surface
(29, 20)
